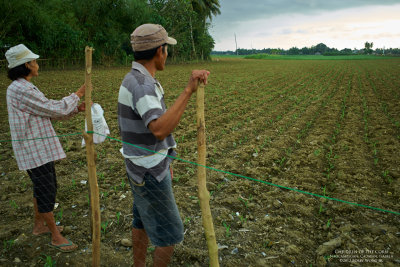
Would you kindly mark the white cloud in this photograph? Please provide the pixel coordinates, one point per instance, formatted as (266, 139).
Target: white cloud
(344, 28)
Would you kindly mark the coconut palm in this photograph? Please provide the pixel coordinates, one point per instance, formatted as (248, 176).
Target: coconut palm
(206, 9)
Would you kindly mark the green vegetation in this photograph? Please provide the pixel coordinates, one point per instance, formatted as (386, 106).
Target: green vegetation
(118, 216)
(7, 245)
(13, 204)
(48, 261)
(123, 184)
(104, 226)
(315, 57)
(60, 29)
(59, 215)
(319, 49)
(217, 57)
(227, 229)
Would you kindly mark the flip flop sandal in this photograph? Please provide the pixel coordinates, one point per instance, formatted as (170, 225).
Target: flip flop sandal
(59, 247)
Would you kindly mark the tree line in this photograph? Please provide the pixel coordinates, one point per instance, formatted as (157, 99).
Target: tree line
(60, 29)
(319, 49)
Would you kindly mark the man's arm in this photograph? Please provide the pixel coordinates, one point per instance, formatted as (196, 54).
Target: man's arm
(163, 126)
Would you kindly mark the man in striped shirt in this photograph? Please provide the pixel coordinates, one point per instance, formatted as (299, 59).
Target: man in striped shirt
(146, 126)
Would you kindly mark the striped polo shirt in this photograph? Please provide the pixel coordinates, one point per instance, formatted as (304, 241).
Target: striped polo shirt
(140, 101)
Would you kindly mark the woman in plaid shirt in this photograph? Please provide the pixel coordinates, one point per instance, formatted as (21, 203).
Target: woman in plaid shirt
(30, 114)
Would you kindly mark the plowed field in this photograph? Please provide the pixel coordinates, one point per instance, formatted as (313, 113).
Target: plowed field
(289, 129)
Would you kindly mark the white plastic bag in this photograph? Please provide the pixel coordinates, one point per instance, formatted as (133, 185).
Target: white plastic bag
(99, 125)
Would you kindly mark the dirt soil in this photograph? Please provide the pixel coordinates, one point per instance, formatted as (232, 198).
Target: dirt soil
(330, 128)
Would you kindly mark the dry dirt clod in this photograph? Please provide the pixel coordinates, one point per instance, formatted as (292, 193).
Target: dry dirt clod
(20, 239)
(321, 261)
(277, 204)
(126, 242)
(329, 246)
(67, 230)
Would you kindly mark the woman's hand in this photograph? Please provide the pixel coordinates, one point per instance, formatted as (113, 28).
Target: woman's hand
(81, 91)
(82, 107)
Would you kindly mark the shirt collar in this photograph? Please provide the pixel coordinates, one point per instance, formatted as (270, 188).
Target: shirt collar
(23, 80)
(139, 67)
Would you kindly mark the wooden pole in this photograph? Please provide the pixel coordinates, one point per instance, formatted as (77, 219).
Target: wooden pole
(90, 156)
(204, 195)
(236, 46)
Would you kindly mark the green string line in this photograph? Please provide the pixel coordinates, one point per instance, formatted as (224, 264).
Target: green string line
(217, 170)
(252, 179)
(40, 138)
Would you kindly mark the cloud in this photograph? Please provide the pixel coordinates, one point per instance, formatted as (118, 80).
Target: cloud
(235, 11)
(381, 36)
(337, 23)
(287, 31)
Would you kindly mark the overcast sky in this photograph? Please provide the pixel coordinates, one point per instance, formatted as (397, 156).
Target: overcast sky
(287, 23)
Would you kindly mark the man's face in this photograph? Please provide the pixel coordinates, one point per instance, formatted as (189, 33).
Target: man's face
(162, 58)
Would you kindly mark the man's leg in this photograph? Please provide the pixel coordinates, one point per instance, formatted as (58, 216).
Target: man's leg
(158, 214)
(162, 256)
(140, 242)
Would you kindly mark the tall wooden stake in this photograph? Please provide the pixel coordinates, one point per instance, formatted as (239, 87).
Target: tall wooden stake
(204, 195)
(90, 156)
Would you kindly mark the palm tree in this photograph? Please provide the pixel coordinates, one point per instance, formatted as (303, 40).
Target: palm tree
(206, 9)
(368, 47)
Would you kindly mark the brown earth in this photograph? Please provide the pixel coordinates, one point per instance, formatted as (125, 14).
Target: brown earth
(330, 128)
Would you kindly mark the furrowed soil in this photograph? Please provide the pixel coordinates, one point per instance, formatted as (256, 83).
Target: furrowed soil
(307, 140)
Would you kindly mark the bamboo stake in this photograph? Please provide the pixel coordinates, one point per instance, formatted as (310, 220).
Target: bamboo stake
(90, 157)
(204, 195)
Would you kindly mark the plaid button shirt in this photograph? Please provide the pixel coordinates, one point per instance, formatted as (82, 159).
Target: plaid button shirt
(29, 115)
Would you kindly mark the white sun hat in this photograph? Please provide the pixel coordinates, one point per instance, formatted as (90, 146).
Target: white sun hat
(18, 55)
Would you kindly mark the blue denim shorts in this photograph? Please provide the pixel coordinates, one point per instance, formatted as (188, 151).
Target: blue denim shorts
(155, 211)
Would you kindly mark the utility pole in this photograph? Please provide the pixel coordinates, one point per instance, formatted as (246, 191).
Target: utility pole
(236, 46)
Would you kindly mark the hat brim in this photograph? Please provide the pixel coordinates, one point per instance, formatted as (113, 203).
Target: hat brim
(31, 57)
(171, 41)
(34, 56)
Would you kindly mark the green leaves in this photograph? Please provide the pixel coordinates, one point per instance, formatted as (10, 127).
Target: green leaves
(60, 29)
(227, 229)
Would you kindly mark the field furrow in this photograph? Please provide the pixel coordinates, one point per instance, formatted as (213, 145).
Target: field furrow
(329, 128)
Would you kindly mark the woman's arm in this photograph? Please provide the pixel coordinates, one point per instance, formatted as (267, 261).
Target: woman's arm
(34, 102)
